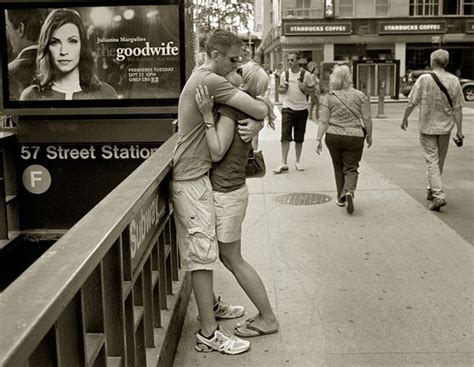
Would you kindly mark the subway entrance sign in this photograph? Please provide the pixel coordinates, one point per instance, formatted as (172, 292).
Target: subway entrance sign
(89, 112)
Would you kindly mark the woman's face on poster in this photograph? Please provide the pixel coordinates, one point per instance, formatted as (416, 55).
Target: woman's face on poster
(65, 48)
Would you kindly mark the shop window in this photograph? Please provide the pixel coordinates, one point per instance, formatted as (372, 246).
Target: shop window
(346, 8)
(381, 8)
(424, 7)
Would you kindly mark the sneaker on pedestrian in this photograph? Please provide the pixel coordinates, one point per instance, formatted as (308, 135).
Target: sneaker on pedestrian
(437, 204)
(280, 169)
(221, 341)
(350, 203)
(223, 310)
(340, 203)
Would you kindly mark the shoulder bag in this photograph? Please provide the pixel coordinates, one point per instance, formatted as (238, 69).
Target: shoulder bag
(361, 121)
(442, 87)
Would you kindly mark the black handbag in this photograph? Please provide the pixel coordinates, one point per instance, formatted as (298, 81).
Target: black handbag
(255, 164)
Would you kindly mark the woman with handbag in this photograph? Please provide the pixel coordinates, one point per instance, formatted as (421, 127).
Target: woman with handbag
(346, 121)
(227, 175)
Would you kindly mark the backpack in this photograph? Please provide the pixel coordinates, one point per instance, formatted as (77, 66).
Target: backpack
(300, 79)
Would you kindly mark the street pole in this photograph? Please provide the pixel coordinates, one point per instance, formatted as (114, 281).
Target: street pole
(381, 104)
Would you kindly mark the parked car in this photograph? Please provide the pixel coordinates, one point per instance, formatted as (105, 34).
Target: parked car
(467, 85)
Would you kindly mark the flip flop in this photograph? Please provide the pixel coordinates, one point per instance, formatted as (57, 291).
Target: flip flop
(244, 323)
(250, 331)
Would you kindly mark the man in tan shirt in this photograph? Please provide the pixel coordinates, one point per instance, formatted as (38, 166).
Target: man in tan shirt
(439, 113)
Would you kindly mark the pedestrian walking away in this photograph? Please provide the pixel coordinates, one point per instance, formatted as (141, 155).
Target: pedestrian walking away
(440, 98)
(347, 123)
(295, 86)
(191, 190)
(231, 194)
(314, 98)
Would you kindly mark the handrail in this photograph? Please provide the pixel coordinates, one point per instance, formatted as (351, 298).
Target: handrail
(96, 295)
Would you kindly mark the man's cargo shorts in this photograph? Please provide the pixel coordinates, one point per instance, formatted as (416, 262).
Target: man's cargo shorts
(195, 218)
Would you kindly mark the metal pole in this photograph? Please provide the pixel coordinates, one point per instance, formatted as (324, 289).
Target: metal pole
(381, 104)
(277, 84)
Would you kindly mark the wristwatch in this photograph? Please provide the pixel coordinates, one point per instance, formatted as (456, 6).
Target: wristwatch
(209, 125)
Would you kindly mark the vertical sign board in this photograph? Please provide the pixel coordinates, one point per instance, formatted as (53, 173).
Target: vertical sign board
(144, 225)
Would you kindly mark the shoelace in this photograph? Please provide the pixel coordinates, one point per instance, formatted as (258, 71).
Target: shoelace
(228, 334)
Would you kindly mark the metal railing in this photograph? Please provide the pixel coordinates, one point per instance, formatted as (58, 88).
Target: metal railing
(102, 294)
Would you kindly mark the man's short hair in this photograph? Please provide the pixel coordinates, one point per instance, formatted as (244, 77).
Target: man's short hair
(293, 54)
(440, 58)
(31, 18)
(221, 40)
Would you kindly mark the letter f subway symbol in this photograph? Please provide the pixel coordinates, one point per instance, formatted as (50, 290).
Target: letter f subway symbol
(36, 179)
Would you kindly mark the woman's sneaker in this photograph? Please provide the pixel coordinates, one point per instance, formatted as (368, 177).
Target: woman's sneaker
(223, 310)
(221, 341)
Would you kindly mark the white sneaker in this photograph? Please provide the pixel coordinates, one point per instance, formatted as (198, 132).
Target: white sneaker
(221, 341)
(226, 311)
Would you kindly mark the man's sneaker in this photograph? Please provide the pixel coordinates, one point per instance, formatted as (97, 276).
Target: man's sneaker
(221, 341)
(223, 310)
(437, 204)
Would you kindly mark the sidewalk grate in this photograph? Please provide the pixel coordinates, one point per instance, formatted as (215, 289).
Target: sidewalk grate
(302, 198)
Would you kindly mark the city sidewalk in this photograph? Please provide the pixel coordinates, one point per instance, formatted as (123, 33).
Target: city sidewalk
(391, 284)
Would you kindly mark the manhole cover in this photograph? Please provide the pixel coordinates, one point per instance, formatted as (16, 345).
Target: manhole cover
(303, 198)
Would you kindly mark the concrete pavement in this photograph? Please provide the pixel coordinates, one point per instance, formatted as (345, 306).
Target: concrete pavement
(391, 284)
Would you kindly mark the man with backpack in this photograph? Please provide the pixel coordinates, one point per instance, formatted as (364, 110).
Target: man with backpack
(295, 86)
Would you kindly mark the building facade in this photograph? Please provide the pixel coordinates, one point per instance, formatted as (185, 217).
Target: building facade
(348, 30)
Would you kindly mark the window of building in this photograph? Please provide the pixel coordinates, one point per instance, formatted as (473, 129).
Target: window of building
(450, 7)
(381, 8)
(303, 4)
(468, 7)
(302, 9)
(346, 8)
(458, 7)
(424, 7)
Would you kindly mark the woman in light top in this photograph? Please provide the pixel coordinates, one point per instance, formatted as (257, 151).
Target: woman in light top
(230, 152)
(346, 121)
(65, 66)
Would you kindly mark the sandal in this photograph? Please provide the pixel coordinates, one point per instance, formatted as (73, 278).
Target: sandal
(251, 331)
(280, 169)
(244, 323)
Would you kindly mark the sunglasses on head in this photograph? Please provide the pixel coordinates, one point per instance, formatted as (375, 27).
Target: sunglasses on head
(291, 59)
(232, 59)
